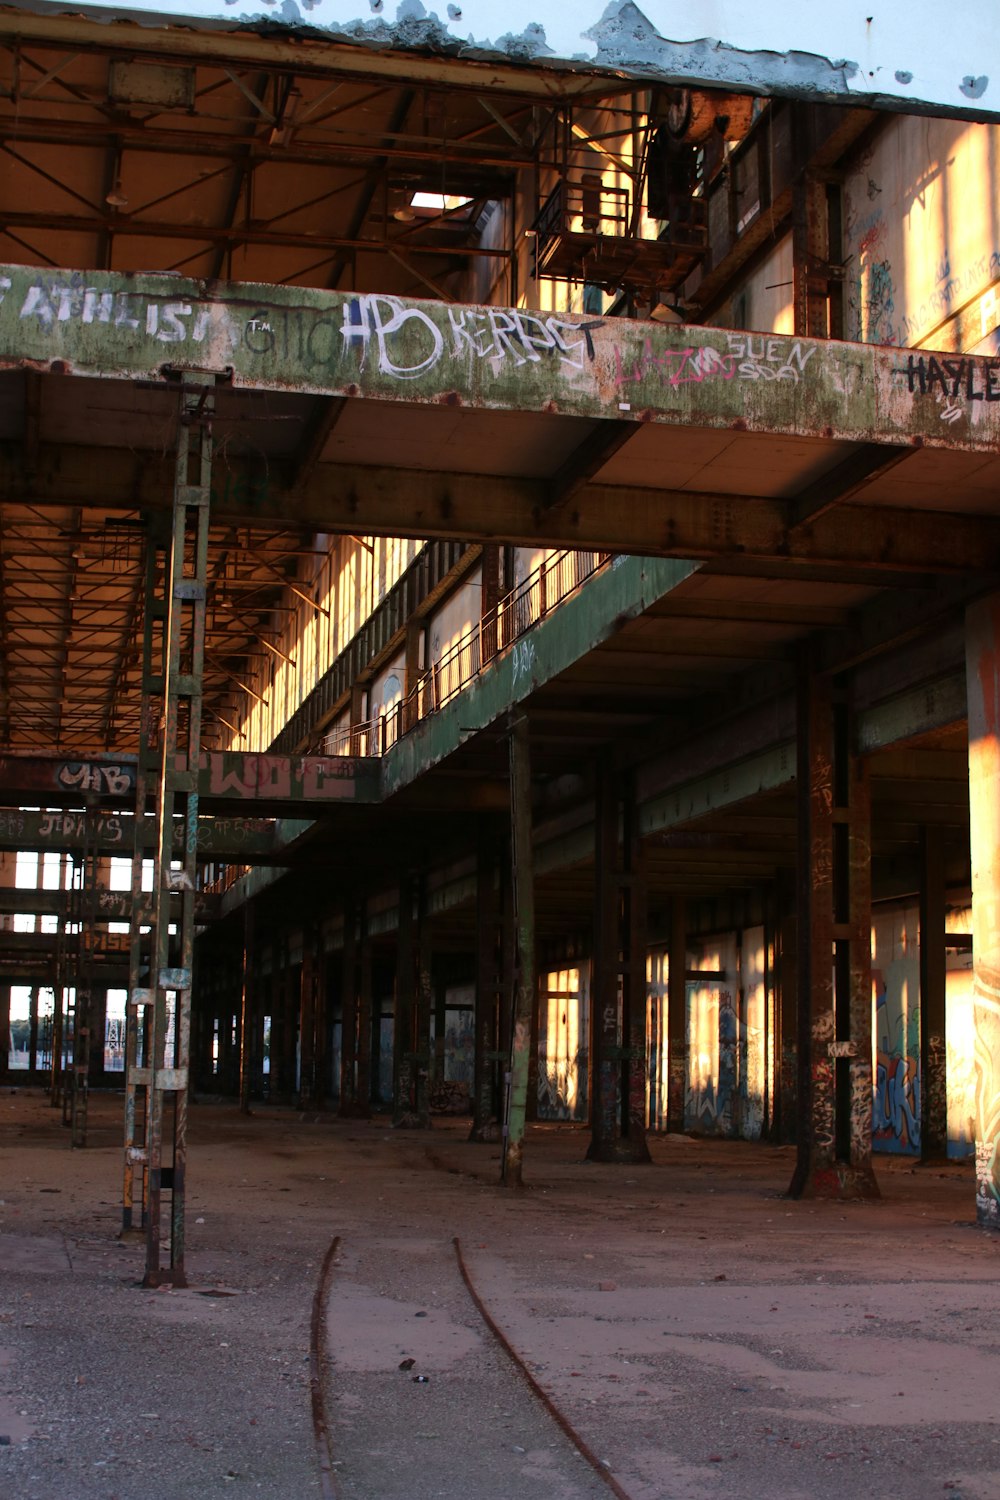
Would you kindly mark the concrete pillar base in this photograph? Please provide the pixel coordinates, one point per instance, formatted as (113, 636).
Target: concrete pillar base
(622, 1151)
(841, 1181)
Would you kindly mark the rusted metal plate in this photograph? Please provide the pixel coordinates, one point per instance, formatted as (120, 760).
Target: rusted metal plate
(393, 349)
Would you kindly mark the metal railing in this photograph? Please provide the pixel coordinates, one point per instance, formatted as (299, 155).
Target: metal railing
(518, 612)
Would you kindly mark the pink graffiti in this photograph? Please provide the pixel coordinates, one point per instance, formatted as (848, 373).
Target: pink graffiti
(691, 366)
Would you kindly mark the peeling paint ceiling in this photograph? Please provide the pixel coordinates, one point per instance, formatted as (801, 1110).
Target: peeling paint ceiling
(911, 58)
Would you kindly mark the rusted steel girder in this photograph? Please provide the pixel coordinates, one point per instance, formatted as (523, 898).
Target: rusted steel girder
(390, 348)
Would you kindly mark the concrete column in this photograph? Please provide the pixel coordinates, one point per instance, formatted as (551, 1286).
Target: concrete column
(677, 1034)
(834, 932)
(933, 1046)
(982, 657)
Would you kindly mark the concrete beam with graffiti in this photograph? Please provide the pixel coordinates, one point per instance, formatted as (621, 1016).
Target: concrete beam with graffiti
(273, 782)
(379, 347)
(236, 840)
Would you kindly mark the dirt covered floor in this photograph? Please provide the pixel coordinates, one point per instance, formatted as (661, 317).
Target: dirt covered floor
(708, 1339)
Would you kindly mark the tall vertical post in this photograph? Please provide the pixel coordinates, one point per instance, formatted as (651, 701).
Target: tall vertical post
(138, 1008)
(677, 1033)
(248, 1007)
(4, 1032)
(522, 863)
(425, 1005)
(364, 1094)
(403, 1037)
(834, 941)
(618, 988)
(349, 1014)
(165, 1073)
(485, 1110)
(982, 660)
(786, 1030)
(79, 1090)
(933, 1042)
(307, 1018)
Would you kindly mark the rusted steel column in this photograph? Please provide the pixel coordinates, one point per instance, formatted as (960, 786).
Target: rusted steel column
(933, 1038)
(982, 659)
(139, 1006)
(604, 1005)
(618, 985)
(363, 1103)
(484, 1092)
(4, 1031)
(247, 1008)
(677, 1032)
(491, 559)
(522, 864)
(288, 1033)
(307, 1019)
(425, 1004)
(834, 939)
(349, 1015)
(634, 986)
(411, 671)
(321, 1024)
(167, 1070)
(787, 1023)
(404, 1017)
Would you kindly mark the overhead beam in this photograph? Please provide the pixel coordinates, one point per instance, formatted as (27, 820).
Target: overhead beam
(390, 348)
(274, 783)
(234, 840)
(384, 501)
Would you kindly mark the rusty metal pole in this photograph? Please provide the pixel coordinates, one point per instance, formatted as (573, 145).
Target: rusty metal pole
(166, 1072)
(677, 1032)
(606, 1045)
(248, 1007)
(138, 1011)
(635, 1070)
(933, 978)
(425, 1005)
(484, 1091)
(307, 1019)
(524, 989)
(349, 1014)
(834, 940)
(403, 1041)
(364, 1093)
(982, 665)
